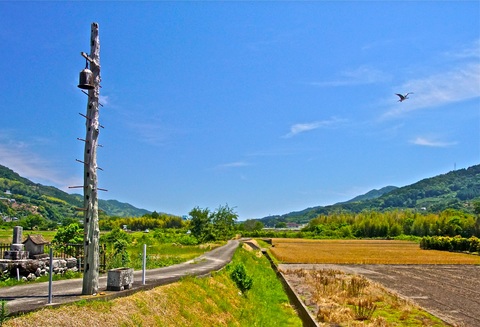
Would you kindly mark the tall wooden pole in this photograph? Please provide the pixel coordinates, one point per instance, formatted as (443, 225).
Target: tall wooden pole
(92, 231)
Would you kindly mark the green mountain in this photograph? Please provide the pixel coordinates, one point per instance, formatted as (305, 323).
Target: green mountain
(456, 189)
(20, 197)
(373, 194)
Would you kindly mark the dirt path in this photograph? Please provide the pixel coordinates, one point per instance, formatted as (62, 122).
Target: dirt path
(450, 292)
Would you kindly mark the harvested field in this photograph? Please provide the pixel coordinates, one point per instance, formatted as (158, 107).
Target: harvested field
(335, 297)
(445, 284)
(450, 292)
(363, 252)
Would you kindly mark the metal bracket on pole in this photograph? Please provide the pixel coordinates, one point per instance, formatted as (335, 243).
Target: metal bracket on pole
(86, 93)
(91, 60)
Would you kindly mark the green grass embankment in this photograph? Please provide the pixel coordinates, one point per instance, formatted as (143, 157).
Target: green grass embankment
(202, 302)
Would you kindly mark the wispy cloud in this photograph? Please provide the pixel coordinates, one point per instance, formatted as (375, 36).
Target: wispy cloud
(459, 81)
(430, 142)
(104, 100)
(456, 85)
(305, 127)
(19, 157)
(358, 76)
(153, 132)
(148, 132)
(469, 51)
(235, 164)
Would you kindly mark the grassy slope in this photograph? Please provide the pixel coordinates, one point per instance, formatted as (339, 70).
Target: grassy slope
(202, 302)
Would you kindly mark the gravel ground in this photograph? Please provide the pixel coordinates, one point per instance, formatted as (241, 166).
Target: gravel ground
(450, 292)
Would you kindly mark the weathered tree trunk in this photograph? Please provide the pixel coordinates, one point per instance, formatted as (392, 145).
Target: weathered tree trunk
(92, 231)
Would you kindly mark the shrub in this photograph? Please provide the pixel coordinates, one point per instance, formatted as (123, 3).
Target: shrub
(3, 312)
(188, 240)
(239, 276)
(364, 309)
(446, 243)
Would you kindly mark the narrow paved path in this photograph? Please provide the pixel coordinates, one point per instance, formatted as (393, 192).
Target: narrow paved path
(29, 297)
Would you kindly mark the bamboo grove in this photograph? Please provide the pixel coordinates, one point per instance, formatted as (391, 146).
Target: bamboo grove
(390, 224)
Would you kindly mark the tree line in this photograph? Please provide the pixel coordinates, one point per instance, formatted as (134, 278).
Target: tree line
(447, 243)
(148, 221)
(449, 222)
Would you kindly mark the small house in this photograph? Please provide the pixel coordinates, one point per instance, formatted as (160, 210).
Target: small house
(35, 245)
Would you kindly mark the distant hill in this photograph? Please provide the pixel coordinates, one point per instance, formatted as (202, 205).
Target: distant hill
(20, 197)
(116, 208)
(455, 189)
(373, 194)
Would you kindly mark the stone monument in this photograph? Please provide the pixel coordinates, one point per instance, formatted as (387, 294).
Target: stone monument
(17, 251)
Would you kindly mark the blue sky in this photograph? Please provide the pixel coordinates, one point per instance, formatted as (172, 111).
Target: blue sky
(269, 107)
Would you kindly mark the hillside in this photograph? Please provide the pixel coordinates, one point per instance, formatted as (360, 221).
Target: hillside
(373, 194)
(455, 189)
(21, 197)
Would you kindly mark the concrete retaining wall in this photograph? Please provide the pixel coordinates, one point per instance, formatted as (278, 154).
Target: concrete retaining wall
(302, 310)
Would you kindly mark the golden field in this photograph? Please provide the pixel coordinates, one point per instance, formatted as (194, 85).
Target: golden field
(363, 252)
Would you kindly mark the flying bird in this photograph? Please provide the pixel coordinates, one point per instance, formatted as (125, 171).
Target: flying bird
(403, 97)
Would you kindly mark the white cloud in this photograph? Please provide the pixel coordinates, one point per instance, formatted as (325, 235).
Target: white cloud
(457, 81)
(305, 127)
(152, 132)
(235, 164)
(18, 157)
(423, 141)
(471, 51)
(358, 76)
(104, 100)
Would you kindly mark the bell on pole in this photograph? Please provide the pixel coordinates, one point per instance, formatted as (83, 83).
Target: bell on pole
(86, 79)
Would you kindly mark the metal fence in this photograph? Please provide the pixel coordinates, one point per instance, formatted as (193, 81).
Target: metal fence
(65, 251)
(3, 247)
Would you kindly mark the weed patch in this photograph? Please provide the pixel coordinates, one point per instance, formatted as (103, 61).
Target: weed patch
(351, 300)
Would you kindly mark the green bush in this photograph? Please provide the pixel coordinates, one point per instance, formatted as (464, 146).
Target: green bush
(447, 243)
(188, 240)
(239, 276)
(3, 312)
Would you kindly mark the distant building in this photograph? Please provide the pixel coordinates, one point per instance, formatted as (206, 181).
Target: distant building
(293, 225)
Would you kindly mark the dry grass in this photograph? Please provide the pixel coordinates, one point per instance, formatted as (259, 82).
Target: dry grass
(363, 252)
(166, 306)
(339, 299)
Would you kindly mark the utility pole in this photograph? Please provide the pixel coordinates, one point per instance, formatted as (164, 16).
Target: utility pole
(90, 190)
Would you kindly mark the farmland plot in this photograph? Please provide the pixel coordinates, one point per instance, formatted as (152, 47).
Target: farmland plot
(363, 252)
(443, 283)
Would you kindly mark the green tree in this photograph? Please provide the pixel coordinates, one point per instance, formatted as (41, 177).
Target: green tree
(115, 235)
(34, 222)
(223, 220)
(201, 224)
(72, 233)
(120, 252)
(251, 225)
